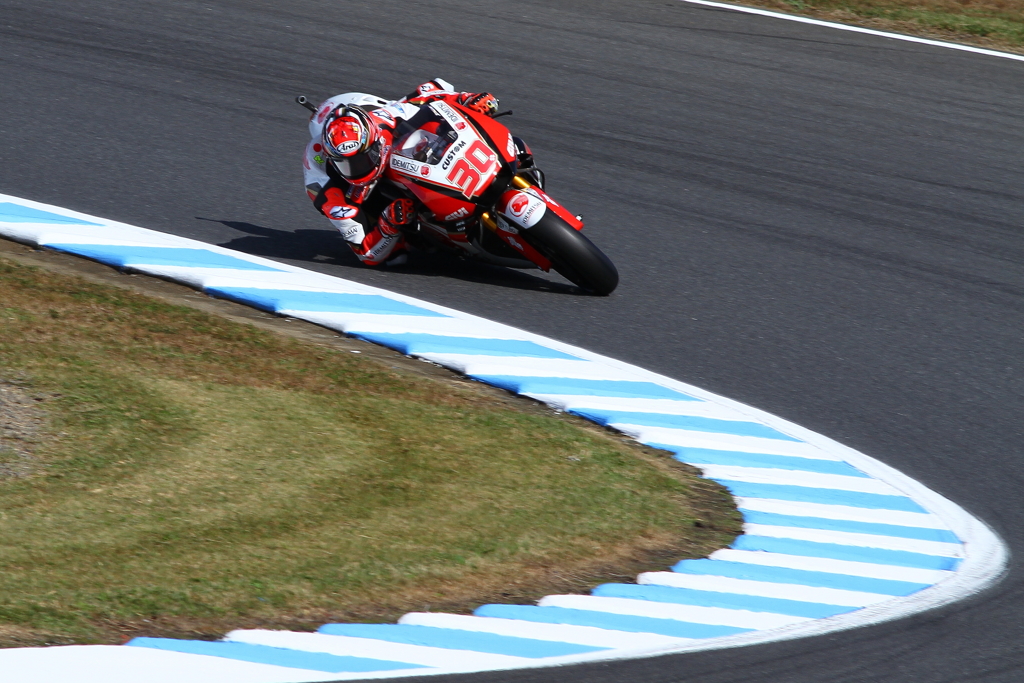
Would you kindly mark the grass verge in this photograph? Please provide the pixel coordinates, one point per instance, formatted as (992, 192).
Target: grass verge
(995, 24)
(196, 474)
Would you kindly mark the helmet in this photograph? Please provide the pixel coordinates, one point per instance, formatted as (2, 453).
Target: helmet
(352, 141)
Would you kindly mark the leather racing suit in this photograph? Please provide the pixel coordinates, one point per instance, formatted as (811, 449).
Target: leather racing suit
(365, 220)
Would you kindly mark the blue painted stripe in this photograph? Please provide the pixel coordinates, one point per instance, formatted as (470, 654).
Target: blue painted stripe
(853, 553)
(919, 533)
(453, 639)
(569, 386)
(261, 654)
(607, 620)
(275, 300)
(709, 456)
(687, 596)
(413, 344)
(802, 577)
(806, 494)
(699, 424)
(127, 256)
(16, 213)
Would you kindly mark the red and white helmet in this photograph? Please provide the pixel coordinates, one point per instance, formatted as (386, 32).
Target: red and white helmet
(352, 141)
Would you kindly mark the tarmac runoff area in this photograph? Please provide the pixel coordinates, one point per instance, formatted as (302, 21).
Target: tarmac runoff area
(833, 539)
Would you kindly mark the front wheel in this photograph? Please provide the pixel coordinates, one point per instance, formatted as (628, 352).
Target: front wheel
(572, 255)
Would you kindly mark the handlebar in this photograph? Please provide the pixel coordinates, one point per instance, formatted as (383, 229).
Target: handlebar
(301, 99)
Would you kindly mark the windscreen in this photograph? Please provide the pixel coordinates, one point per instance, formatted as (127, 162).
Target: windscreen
(429, 138)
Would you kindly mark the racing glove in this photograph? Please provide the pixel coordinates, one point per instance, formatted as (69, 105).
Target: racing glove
(483, 102)
(398, 213)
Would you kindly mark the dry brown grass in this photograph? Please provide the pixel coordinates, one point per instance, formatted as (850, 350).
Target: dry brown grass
(996, 24)
(198, 475)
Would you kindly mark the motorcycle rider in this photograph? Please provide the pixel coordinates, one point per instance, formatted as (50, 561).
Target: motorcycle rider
(348, 153)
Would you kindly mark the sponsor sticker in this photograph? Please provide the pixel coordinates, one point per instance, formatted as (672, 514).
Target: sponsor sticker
(449, 113)
(510, 147)
(460, 126)
(384, 115)
(505, 226)
(455, 215)
(317, 147)
(424, 170)
(344, 211)
(348, 146)
(318, 159)
(525, 209)
(451, 154)
(352, 233)
(518, 204)
(403, 164)
(382, 247)
(544, 195)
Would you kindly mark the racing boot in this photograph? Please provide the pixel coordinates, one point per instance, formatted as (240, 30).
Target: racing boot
(385, 243)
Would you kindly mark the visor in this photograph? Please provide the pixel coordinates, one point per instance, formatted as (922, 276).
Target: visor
(359, 165)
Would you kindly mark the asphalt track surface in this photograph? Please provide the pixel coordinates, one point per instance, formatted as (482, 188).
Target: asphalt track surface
(825, 225)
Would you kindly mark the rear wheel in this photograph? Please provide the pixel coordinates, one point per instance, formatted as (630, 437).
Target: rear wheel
(572, 255)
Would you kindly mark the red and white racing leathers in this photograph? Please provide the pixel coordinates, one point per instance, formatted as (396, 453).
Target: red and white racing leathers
(367, 223)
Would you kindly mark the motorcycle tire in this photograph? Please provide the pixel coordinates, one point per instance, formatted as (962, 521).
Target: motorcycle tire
(572, 255)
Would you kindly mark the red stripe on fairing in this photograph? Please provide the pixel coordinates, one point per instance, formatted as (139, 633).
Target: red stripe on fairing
(497, 133)
(559, 210)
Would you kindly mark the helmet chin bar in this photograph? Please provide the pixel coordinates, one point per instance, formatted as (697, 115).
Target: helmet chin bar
(360, 167)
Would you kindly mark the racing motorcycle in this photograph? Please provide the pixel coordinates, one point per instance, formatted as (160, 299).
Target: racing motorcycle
(479, 194)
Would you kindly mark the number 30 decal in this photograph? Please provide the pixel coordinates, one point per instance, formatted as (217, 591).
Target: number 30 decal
(467, 172)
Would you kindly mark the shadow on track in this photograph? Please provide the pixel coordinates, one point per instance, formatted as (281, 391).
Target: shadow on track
(326, 246)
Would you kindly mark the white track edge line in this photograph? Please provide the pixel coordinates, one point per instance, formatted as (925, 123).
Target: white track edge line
(858, 29)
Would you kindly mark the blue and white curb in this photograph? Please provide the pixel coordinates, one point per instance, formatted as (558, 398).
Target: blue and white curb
(833, 539)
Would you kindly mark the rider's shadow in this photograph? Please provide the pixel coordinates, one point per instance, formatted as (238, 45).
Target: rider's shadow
(326, 246)
(301, 245)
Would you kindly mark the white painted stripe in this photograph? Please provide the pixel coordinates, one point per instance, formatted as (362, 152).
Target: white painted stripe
(118, 664)
(290, 280)
(817, 480)
(858, 29)
(842, 512)
(107, 236)
(562, 633)
(191, 276)
(830, 566)
(346, 646)
(764, 589)
(719, 441)
(529, 367)
(911, 545)
(403, 324)
(668, 610)
(660, 406)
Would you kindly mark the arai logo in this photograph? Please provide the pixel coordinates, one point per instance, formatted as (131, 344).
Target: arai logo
(348, 146)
